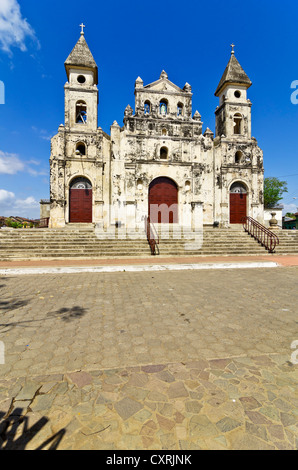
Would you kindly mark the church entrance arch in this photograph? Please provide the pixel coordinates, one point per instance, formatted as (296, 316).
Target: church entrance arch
(80, 201)
(238, 203)
(163, 201)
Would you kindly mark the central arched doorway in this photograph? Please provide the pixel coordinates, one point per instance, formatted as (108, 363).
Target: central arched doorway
(163, 201)
(80, 201)
(238, 203)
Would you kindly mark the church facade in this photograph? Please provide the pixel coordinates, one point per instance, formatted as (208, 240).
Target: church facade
(161, 162)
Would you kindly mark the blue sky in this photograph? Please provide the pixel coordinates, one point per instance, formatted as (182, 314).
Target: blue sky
(189, 40)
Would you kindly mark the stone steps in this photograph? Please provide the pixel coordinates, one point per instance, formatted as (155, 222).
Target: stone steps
(104, 249)
(55, 239)
(81, 242)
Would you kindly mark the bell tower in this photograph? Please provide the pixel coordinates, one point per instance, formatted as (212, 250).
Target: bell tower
(78, 178)
(238, 160)
(233, 115)
(81, 92)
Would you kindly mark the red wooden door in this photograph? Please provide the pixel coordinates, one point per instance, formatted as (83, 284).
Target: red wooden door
(80, 209)
(237, 207)
(163, 201)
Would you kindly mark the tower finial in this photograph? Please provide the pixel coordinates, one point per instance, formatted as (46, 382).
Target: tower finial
(82, 30)
(232, 46)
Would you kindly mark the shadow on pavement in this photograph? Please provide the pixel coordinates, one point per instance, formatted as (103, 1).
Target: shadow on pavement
(69, 314)
(66, 314)
(15, 433)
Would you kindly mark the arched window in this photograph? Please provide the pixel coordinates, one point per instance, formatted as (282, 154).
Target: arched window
(187, 186)
(147, 107)
(140, 184)
(180, 109)
(164, 153)
(164, 132)
(81, 112)
(238, 188)
(81, 149)
(238, 124)
(80, 183)
(163, 107)
(238, 157)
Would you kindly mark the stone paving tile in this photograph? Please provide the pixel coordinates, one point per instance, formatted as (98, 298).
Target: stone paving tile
(148, 318)
(131, 415)
(149, 361)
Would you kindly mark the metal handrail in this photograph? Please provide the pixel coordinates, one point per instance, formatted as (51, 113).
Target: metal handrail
(260, 233)
(152, 236)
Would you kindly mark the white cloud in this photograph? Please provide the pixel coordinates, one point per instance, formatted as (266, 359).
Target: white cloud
(28, 202)
(10, 164)
(6, 196)
(292, 208)
(14, 28)
(43, 134)
(11, 206)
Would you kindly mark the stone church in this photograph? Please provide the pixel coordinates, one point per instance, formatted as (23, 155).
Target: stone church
(161, 162)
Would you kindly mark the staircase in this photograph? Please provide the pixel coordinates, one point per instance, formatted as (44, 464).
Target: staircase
(75, 243)
(212, 242)
(288, 242)
(83, 242)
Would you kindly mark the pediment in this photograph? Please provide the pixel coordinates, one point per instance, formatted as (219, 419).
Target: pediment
(164, 85)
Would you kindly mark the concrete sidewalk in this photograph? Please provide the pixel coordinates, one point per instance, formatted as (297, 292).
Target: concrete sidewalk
(155, 263)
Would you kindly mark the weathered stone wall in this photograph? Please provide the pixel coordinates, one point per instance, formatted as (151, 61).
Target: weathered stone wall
(45, 208)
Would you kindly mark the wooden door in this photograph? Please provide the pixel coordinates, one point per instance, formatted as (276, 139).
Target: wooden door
(80, 209)
(163, 201)
(238, 205)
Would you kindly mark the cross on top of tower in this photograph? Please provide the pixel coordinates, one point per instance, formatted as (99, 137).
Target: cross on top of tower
(82, 26)
(232, 46)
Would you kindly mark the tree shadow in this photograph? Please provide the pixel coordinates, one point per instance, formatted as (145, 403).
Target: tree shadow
(2, 279)
(69, 314)
(66, 314)
(12, 304)
(8, 306)
(11, 439)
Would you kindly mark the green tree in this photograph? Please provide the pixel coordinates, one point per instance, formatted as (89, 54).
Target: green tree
(273, 191)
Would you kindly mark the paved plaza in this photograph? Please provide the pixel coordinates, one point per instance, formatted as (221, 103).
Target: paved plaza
(150, 360)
